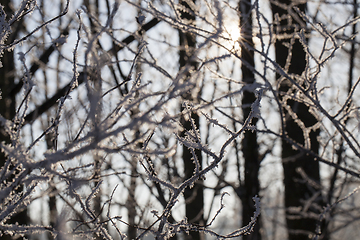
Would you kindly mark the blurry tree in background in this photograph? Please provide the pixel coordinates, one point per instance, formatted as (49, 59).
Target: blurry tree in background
(301, 170)
(176, 119)
(190, 120)
(249, 144)
(8, 106)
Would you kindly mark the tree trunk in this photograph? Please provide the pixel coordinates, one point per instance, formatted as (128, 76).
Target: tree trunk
(194, 197)
(298, 167)
(250, 147)
(8, 106)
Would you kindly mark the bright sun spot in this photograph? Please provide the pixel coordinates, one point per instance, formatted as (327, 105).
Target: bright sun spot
(234, 32)
(232, 35)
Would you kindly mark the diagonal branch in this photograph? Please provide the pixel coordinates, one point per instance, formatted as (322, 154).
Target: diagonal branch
(44, 59)
(32, 116)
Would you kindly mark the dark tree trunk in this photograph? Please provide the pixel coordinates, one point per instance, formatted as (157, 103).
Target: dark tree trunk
(131, 203)
(51, 142)
(296, 164)
(250, 147)
(194, 197)
(8, 107)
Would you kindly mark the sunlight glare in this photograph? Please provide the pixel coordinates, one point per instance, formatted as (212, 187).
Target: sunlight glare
(232, 35)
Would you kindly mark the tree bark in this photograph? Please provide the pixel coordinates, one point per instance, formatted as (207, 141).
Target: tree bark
(301, 222)
(8, 109)
(194, 197)
(250, 147)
